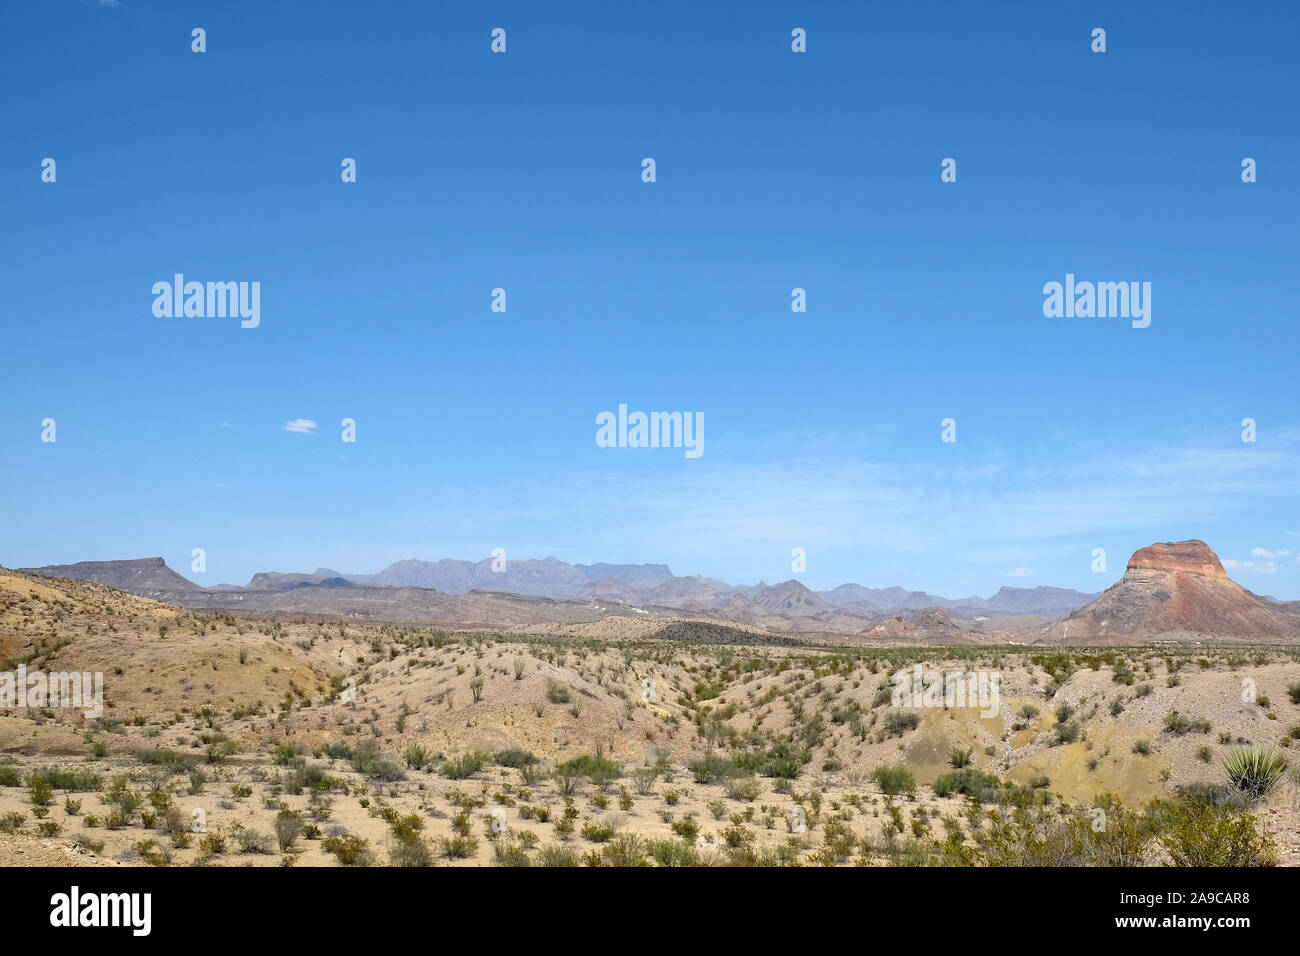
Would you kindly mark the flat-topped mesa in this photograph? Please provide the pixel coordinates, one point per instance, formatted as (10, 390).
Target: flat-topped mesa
(1193, 557)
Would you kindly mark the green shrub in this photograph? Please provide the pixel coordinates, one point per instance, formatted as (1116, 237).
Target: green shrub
(899, 722)
(514, 758)
(554, 855)
(464, 766)
(894, 780)
(1199, 834)
(350, 849)
(969, 782)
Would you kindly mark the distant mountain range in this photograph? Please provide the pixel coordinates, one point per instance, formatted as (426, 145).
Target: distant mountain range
(631, 584)
(1175, 591)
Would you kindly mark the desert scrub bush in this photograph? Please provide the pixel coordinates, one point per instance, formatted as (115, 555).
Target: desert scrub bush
(10, 777)
(366, 758)
(674, 853)
(960, 757)
(1253, 770)
(39, 790)
(1178, 725)
(597, 831)
(74, 780)
(557, 693)
(736, 836)
(556, 855)
(515, 758)
(968, 782)
(168, 759)
(746, 790)
(212, 843)
(465, 766)
(250, 841)
(643, 779)
(600, 770)
(712, 768)
(510, 852)
(287, 827)
(409, 849)
(417, 757)
(687, 829)
(894, 780)
(1200, 834)
(458, 847)
(311, 778)
(350, 849)
(567, 823)
(171, 822)
(1066, 733)
(1293, 691)
(899, 722)
(627, 851)
(783, 761)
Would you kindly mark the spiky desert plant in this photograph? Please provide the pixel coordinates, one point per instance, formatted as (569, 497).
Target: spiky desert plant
(1254, 770)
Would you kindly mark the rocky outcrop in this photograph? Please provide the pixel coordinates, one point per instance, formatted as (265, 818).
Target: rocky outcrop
(148, 577)
(1178, 591)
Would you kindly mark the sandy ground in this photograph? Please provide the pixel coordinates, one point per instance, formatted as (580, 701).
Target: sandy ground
(249, 705)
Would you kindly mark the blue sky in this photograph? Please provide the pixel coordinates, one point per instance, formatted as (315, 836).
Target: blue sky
(775, 170)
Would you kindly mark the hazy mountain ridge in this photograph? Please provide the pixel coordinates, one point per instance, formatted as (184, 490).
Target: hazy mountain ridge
(638, 588)
(1171, 591)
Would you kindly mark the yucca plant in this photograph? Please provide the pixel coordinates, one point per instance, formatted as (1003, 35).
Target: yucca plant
(1254, 770)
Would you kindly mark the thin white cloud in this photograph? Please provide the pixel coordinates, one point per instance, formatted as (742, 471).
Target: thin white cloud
(1255, 567)
(302, 426)
(1264, 553)
(891, 518)
(1021, 572)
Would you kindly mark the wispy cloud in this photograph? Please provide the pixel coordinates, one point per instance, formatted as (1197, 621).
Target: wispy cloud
(1254, 567)
(883, 519)
(302, 426)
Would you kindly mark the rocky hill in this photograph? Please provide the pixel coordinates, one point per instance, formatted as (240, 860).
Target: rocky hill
(1176, 591)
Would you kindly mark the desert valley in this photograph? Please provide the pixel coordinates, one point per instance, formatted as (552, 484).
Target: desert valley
(612, 715)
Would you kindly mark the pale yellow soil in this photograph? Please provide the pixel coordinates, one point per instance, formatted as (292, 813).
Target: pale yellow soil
(225, 692)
